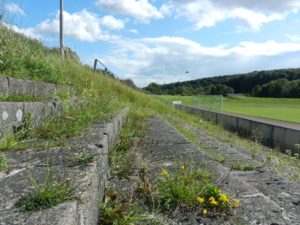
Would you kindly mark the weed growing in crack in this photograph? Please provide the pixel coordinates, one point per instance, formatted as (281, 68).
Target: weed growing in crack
(243, 166)
(48, 194)
(121, 164)
(218, 158)
(117, 211)
(145, 190)
(18, 98)
(297, 155)
(192, 187)
(3, 163)
(181, 187)
(82, 159)
(121, 159)
(10, 140)
(257, 138)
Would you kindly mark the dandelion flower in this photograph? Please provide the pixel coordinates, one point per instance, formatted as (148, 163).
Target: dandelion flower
(213, 201)
(204, 212)
(200, 200)
(165, 173)
(224, 198)
(235, 203)
(182, 167)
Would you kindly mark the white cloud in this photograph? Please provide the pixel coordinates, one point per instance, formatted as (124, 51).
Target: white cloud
(268, 48)
(112, 23)
(134, 31)
(29, 32)
(14, 8)
(165, 59)
(266, 5)
(207, 13)
(141, 10)
(294, 38)
(83, 25)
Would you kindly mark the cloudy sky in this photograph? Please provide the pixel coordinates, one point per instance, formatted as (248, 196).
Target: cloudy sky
(159, 40)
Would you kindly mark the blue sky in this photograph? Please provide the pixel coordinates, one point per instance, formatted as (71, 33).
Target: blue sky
(157, 41)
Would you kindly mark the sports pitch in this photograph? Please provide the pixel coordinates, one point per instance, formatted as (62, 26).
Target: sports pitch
(284, 109)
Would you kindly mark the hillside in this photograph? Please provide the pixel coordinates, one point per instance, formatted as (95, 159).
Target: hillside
(273, 83)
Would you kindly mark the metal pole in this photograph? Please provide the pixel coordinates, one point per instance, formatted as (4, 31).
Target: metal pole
(222, 103)
(62, 29)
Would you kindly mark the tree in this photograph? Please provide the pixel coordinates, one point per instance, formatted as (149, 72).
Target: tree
(153, 88)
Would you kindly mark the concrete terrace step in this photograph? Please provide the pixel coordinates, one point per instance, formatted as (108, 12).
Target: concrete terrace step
(163, 145)
(13, 113)
(15, 86)
(98, 140)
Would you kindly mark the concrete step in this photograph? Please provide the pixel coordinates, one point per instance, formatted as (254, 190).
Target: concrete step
(83, 209)
(15, 86)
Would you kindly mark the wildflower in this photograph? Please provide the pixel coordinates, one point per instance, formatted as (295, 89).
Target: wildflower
(182, 167)
(224, 198)
(235, 203)
(200, 200)
(165, 173)
(213, 201)
(204, 212)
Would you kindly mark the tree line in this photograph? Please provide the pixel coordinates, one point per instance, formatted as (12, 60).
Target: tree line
(273, 83)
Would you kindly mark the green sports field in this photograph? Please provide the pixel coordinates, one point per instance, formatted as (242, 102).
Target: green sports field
(283, 109)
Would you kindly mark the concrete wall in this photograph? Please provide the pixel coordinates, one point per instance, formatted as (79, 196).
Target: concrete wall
(14, 86)
(268, 133)
(13, 113)
(83, 209)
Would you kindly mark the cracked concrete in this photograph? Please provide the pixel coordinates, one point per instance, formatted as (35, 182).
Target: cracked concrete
(268, 201)
(97, 140)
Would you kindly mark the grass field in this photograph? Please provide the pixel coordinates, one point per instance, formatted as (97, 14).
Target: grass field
(272, 108)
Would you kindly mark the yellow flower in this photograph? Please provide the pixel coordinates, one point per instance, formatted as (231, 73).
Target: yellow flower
(165, 173)
(224, 198)
(213, 201)
(200, 200)
(204, 212)
(182, 167)
(235, 203)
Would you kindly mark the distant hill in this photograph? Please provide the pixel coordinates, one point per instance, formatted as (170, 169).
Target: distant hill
(272, 83)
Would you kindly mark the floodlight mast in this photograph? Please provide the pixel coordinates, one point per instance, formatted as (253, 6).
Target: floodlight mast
(61, 28)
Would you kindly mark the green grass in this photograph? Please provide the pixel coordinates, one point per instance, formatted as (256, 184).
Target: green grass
(181, 187)
(243, 166)
(18, 98)
(82, 159)
(272, 108)
(48, 193)
(3, 163)
(116, 210)
(189, 186)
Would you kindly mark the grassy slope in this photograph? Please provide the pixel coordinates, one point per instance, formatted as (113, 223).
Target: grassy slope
(272, 108)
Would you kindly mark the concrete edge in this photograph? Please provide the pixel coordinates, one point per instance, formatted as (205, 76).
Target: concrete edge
(93, 179)
(16, 86)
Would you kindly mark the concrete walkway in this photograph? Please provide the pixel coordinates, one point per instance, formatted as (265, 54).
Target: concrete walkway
(266, 199)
